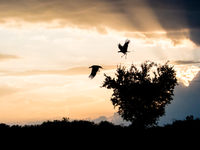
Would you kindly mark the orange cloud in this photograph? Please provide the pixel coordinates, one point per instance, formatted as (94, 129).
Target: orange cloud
(5, 90)
(7, 56)
(185, 62)
(70, 71)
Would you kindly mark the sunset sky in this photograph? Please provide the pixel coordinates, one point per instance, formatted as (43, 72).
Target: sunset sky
(46, 47)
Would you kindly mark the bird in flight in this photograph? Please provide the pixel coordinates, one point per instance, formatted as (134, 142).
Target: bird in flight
(124, 48)
(95, 69)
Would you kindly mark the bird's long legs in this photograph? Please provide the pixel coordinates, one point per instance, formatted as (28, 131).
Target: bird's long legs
(124, 55)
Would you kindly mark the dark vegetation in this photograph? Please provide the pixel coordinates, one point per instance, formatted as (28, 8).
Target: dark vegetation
(65, 124)
(141, 93)
(80, 132)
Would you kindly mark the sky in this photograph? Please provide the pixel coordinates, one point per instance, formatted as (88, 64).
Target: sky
(47, 46)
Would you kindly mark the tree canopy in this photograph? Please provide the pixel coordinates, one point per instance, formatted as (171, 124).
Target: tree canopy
(141, 93)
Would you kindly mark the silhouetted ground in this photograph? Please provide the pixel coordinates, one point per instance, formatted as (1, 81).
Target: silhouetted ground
(189, 124)
(82, 133)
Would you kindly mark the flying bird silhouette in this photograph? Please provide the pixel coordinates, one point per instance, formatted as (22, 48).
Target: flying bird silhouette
(124, 48)
(95, 69)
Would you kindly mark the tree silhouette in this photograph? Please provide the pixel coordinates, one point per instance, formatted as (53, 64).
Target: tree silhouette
(141, 93)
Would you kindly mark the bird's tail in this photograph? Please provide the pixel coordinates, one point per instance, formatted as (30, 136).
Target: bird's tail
(91, 76)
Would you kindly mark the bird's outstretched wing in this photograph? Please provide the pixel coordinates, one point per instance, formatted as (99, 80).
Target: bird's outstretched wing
(95, 69)
(93, 72)
(120, 47)
(125, 46)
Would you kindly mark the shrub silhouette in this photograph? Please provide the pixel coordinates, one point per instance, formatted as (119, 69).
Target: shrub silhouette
(188, 124)
(141, 93)
(65, 123)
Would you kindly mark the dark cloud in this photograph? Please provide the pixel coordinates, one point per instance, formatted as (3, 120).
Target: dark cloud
(186, 102)
(185, 62)
(180, 18)
(179, 15)
(195, 36)
(7, 56)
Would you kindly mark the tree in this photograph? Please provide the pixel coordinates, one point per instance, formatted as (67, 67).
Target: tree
(141, 93)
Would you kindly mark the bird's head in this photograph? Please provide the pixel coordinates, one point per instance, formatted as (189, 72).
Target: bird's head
(127, 41)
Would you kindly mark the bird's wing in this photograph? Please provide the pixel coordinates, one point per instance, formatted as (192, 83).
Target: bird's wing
(126, 44)
(99, 67)
(120, 47)
(93, 72)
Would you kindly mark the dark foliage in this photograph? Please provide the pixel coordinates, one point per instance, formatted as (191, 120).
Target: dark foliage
(81, 133)
(141, 94)
(188, 123)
